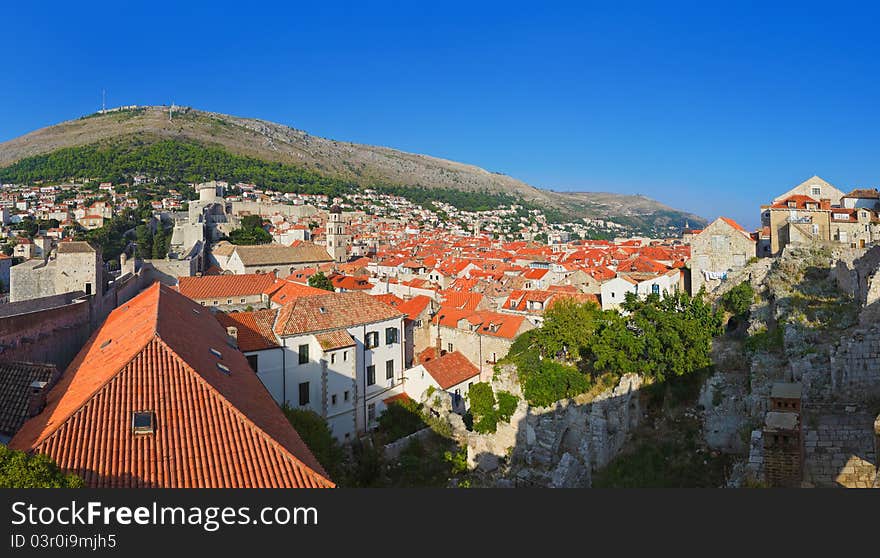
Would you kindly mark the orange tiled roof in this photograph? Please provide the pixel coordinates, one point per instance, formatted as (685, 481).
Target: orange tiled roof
(414, 306)
(451, 369)
(332, 311)
(390, 299)
(337, 339)
(219, 286)
(291, 291)
(212, 428)
(254, 328)
(484, 322)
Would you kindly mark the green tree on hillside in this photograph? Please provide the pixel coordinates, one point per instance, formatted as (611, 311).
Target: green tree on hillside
(160, 243)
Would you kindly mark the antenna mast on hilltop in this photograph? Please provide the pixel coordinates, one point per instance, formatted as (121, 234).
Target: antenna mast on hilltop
(171, 111)
(103, 101)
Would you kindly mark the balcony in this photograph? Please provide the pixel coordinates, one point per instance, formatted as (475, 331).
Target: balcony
(800, 220)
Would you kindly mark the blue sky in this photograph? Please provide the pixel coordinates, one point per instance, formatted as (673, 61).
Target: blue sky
(707, 108)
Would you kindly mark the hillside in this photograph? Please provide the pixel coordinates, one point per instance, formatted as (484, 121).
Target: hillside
(363, 165)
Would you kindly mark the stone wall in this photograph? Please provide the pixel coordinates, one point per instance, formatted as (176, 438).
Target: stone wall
(52, 334)
(555, 446)
(855, 365)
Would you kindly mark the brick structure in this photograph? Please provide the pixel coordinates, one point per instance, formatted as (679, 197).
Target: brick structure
(783, 437)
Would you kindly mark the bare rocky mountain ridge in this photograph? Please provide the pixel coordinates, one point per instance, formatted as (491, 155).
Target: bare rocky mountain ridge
(364, 164)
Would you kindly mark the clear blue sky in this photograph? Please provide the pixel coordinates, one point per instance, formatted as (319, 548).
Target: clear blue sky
(706, 108)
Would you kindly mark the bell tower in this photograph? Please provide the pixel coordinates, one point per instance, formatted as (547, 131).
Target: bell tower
(338, 239)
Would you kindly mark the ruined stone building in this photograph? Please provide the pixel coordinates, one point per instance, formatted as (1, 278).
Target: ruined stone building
(72, 267)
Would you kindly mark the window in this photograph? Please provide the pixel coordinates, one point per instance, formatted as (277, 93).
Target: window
(228, 301)
(719, 242)
(344, 356)
(243, 300)
(216, 302)
(304, 393)
(303, 354)
(332, 358)
(389, 369)
(371, 374)
(333, 399)
(252, 360)
(371, 412)
(390, 335)
(142, 422)
(815, 191)
(372, 339)
(655, 288)
(417, 323)
(88, 288)
(815, 229)
(449, 347)
(345, 396)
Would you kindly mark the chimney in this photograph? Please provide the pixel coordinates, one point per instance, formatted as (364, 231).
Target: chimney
(232, 332)
(37, 399)
(825, 203)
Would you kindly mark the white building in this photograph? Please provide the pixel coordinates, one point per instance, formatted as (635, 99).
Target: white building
(452, 373)
(337, 354)
(641, 284)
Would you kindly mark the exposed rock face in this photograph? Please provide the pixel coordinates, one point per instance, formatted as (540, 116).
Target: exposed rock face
(824, 302)
(555, 446)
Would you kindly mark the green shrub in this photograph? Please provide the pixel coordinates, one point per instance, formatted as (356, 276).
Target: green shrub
(316, 434)
(401, 418)
(767, 341)
(554, 381)
(506, 405)
(482, 402)
(739, 299)
(19, 470)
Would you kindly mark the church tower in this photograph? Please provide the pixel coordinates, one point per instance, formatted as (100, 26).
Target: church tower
(338, 239)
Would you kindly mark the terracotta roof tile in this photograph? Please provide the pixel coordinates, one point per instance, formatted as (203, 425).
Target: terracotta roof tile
(220, 286)
(332, 340)
(451, 369)
(254, 328)
(332, 311)
(212, 428)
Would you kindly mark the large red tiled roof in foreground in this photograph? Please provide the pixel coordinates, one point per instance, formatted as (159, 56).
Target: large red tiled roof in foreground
(451, 369)
(214, 427)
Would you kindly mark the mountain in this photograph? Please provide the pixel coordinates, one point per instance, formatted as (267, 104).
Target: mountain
(364, 165)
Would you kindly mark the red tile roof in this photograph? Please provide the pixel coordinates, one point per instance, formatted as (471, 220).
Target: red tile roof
(399, 398)
(414, 306)
(800, 202)
(484, 322)
(290, 291)
(254, 328)
(212, 428)
(451, 369)
(332, 311)
(220, 286)
(337, 339)
(349, 283)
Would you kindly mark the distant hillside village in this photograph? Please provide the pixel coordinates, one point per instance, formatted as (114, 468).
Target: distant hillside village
(174, 329)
